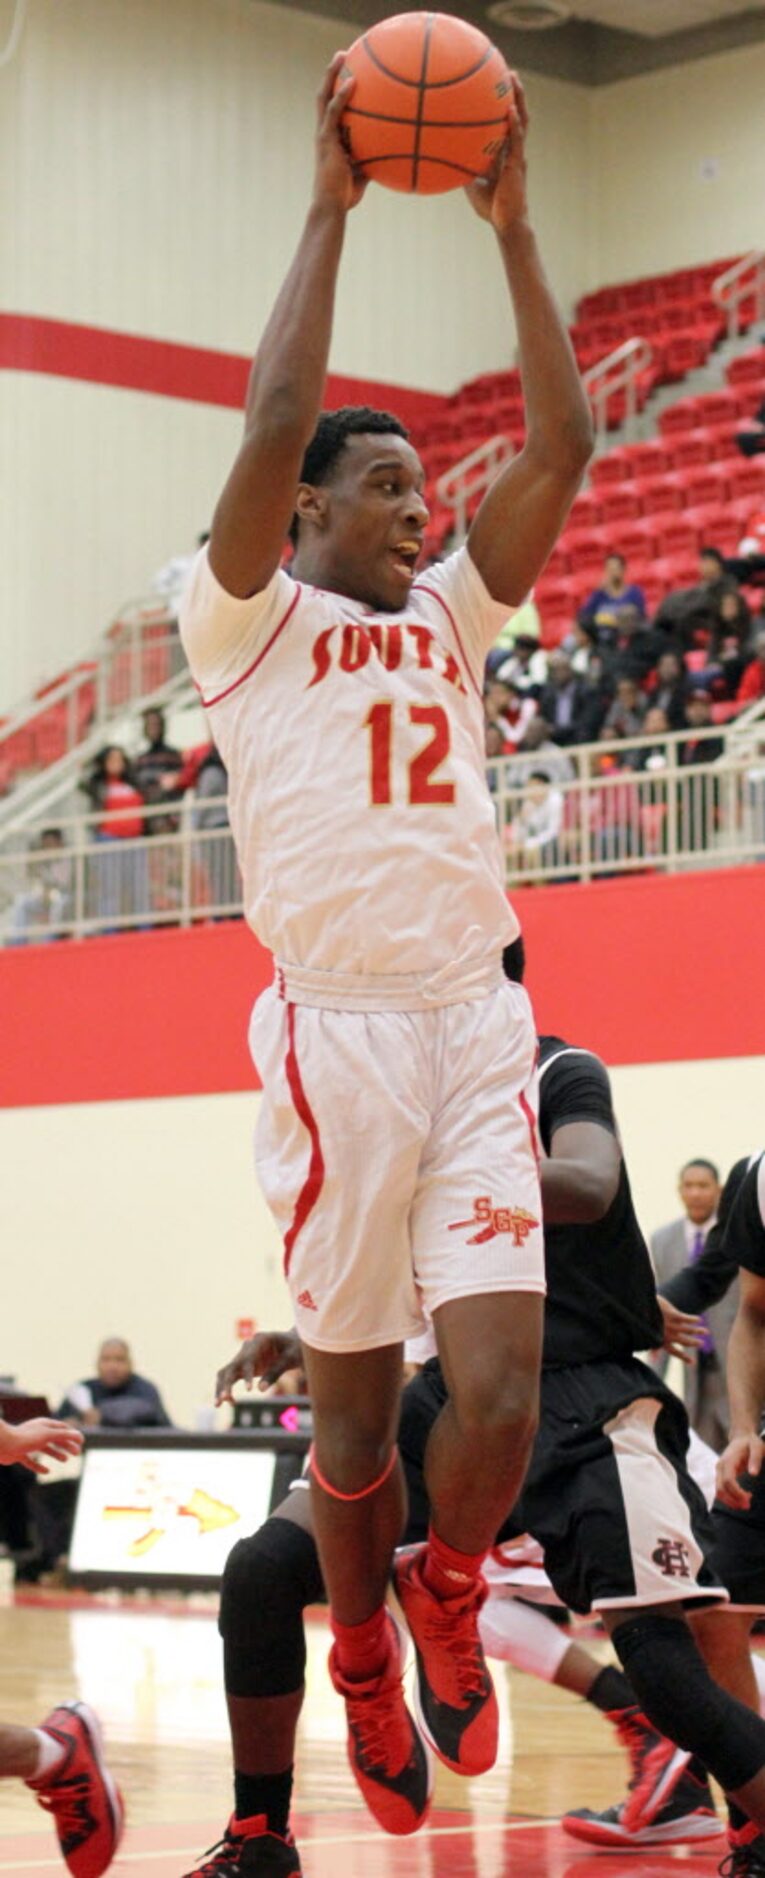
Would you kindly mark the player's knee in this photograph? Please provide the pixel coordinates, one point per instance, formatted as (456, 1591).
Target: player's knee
(349, 1455)
(499, 1409)
(267, 1582)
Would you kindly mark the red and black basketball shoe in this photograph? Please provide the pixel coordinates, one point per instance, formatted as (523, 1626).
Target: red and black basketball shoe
(81, 1794)
(656, 1766)
(688, 1817)
(746, 1858)
(457, 1706)
(386, 1752)
(249, 1850)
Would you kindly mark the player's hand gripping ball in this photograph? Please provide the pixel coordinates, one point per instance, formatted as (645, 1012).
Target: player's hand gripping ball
(431, 106)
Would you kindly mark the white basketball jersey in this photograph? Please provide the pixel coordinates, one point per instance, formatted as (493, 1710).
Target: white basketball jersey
(354, 744)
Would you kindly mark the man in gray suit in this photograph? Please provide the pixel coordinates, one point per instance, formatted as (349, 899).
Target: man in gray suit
(672, 1248)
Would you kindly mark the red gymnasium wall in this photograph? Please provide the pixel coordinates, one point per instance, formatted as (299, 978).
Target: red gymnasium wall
(652, 970)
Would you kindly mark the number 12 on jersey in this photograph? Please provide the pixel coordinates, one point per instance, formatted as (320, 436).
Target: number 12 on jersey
(384, 727)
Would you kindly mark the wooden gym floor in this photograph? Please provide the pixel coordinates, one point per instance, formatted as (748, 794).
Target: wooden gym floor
(153, 1672)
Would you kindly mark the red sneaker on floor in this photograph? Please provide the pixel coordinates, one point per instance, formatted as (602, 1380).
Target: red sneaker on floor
(87, 1808)
(656, 1766)
(457, 1706)
(386, 1752)
(746, 1858)
(249, 1850)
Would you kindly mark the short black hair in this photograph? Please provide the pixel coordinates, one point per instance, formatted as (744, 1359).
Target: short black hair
(514, 961)
(613, 554)
(700, 1160)
(331, 435)
(712, 554)
(540, 775)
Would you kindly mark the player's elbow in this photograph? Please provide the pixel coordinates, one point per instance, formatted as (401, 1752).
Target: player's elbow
(565, 450)
(597, 1195)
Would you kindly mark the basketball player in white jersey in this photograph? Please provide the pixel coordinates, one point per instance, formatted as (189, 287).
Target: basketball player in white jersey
(396, 1140)
(62, 1760)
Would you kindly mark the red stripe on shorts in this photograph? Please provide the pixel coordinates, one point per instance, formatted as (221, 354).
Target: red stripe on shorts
(529, 1114)
(314, 1180)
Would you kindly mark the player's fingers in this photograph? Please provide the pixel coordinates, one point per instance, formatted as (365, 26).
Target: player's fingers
(754, 1461)
(329, 81)
(519, 102)
(338, 102)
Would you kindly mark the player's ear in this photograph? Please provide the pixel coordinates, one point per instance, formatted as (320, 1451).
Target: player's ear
(312, 505)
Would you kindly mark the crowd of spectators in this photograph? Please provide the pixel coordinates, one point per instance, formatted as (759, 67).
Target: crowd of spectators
(619, 675)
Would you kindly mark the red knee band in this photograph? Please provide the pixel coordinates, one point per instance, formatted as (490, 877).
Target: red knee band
(364, 1492)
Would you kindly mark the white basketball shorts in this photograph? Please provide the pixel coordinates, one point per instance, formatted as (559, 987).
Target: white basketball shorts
(397, 1151)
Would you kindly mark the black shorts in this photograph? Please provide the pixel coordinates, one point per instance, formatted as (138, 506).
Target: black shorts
(608, 1494)
(738, 1548)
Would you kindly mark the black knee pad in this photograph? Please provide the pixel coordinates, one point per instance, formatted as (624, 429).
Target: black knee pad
(268, 1581)
(677, 1693)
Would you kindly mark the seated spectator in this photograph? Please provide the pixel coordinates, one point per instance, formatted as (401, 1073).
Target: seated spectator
(606, 605)
(748, 563)
(214, 856)
(565, 704)
(47, 901)
(119, 877)
(494, 747)
(526, 666)
(505, 705)
(751, 436)
(115, 1397)
(752, 685)
(538, 752)
(698, 746)
(691, 613)
(158, 761)
(655, 724)
(667, 689)
(624, 718)
(531, 838)
(633, 648)
(613, 810)
(699, 798)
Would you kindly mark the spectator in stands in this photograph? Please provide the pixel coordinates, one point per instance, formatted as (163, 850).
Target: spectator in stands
(565, 704)
(505, 705)
(655, 724)
(494, 747)
(752, 686)
(214, 855)
(531, 838)
(624, 718)
(616, 595)
(613, 809)
(115, 1398)
(525, 667)
(580, 644)
(751, 436)
(691, 613)
(701, 746)
(152, 765)
(538, 752)
(680, 1243)
(699, 801)
(748, 563)
(41, 909)
(119, 875)
(668, 690)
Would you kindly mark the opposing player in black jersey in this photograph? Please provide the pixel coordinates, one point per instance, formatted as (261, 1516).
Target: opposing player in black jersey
(737, 1244)
(608, 1495)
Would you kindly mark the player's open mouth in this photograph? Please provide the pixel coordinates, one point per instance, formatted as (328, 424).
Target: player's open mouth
(405, 556)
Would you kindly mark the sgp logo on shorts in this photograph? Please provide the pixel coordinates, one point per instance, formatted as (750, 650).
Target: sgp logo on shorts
(496, 1219)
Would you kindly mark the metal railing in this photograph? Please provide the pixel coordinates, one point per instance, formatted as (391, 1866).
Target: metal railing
(619, 371)
(471, 477)
(649, 812)
(736, 284)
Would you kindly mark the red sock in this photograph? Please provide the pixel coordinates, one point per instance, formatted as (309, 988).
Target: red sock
(446, 1572)
(362, 1650)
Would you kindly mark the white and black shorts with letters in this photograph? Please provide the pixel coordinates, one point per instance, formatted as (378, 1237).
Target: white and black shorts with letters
(608, 1495)
(397, 1152)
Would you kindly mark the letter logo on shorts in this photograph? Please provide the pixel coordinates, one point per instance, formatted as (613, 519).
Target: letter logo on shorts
(496, 1219)
(671, 1556)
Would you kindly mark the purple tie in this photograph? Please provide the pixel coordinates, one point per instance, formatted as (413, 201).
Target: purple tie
(706, 1347)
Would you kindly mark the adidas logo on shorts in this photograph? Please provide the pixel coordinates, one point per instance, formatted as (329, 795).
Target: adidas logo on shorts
(307, 1302)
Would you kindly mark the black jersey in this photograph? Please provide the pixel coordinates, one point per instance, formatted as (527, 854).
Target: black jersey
(745, 1231)
(601, 1296)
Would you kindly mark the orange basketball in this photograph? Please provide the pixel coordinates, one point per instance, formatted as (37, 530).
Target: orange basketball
(430, 105)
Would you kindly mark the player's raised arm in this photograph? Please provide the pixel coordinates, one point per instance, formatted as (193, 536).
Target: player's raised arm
(523, 513)
(287, 380)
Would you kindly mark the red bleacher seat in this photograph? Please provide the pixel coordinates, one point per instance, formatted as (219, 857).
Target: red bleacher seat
(635, 540)
(676, 570)
(716, 525)
(645, 459)
(619, 502)
(745, 475)
(608, 469)
(673, 535)
(679, 417)
(704, 482)
(690, 447)
(750, 365)
(657, 494)
(685, 352)
(585, 549)
(586, 511)
(724, 709)
(716, 407)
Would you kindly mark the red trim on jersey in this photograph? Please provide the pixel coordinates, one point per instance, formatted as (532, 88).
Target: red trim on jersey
(434, 595)
(209, 702)
(314, 1181)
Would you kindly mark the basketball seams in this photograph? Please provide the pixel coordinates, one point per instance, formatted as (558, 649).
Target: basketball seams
(405, 156)
(421, 98)
(434, 84)
(429, 123)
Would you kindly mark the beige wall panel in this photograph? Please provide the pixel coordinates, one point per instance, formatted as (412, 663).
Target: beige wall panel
(162, 161)
(654, 209)
(99, 488)
(144, 1218)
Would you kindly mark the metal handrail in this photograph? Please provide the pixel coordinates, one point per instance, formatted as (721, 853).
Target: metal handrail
(736, 283)
(458, 485)
(618, 371)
